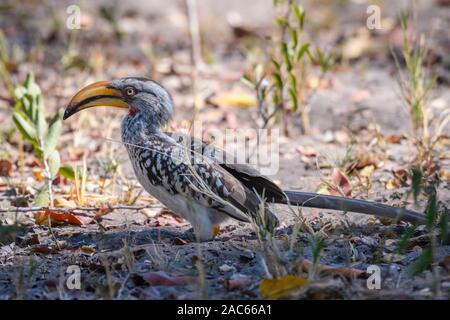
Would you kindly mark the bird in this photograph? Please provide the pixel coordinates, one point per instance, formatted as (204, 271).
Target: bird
(187, 175)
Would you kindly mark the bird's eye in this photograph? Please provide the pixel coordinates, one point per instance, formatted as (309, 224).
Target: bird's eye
(130, 91)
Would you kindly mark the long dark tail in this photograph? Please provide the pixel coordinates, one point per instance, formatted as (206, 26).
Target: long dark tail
(314, 200)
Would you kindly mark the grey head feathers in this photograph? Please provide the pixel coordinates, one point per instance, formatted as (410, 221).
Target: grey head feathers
(151, 102)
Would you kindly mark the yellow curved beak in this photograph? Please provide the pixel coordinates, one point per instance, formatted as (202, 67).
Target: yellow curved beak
(94, 95)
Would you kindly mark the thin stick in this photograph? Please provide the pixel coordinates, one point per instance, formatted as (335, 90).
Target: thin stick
(196, 57)
(71, 210)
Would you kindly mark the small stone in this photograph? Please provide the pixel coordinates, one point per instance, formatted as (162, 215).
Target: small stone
(225, 268)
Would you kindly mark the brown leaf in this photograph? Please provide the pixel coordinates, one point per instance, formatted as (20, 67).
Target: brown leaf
(87, 250)
(238, 282)
(400, 179)
(49, 248)
(103, 210)
(349, 273)
(161, 278)
(395, 138)
(55, 217)
(367, 159)
(6, 168)
(40, 248)
(445, 263)
(343, 185)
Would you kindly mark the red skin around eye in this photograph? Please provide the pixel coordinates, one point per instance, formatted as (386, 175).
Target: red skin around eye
(132, 111)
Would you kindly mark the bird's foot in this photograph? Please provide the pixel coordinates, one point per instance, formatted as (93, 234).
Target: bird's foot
(192, 236)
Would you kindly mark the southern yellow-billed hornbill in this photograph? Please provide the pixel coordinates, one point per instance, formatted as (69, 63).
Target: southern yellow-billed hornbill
(196, 184)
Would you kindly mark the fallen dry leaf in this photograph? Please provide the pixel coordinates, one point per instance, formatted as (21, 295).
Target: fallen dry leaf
(87, 250)
(41, 248)
(390, 185)
(237, 99)
(103, 210)
(342, 184)
(444, 3)
(161, 278)
(400, 179)
(38, 175)
(6, 168)
(49, 248)
(367, 159)
(367, 172)
(349, 273)
(56, 217)
(281, 288)
(445, 263)
(238, 282)
(395, 138)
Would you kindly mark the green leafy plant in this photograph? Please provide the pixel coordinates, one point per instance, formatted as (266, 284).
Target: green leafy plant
(280, 86)
(416, 86)
(426, 258)
(436, 226)
(29, 116)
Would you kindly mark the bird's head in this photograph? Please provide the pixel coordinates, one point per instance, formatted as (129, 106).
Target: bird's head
(144, 98)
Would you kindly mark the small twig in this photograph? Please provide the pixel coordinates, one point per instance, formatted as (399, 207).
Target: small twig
(71, 210)
(49, 180)
(194, 31)
(10, 101)
(196, 57)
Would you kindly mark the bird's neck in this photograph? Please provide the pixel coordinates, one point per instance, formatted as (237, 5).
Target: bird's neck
(136, 130)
